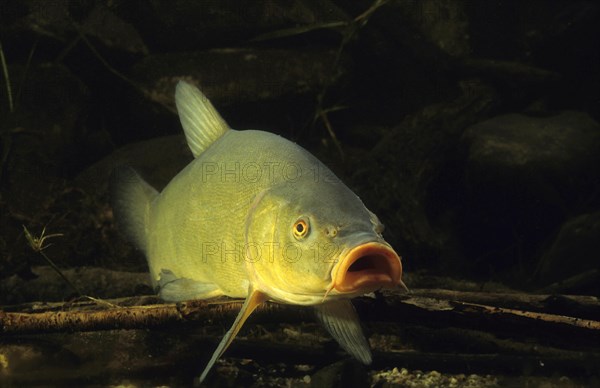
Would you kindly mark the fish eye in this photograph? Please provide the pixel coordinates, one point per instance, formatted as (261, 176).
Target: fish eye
(300, 228)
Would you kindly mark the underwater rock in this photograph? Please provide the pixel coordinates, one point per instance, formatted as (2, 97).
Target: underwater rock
(158, 160)
(254, 88)
(576, 244)
(237, 75)
(559, 144)
(410, 175)
(346, 373)
(522, 176)
(41, 133)
(182, 25)
(48, 286)
(63, 21)
(105, 25)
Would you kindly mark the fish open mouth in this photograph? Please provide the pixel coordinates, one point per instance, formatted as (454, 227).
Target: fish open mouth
(368, 267)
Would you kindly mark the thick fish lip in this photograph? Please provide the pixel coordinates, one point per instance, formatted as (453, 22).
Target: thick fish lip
(368, 267)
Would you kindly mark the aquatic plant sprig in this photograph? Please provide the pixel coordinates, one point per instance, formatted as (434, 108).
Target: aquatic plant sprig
(38, 245)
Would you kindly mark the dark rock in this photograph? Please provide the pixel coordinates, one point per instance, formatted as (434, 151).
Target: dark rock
(157, 160)
(102, 23)
(251, 88)
(224, 77)
(523, 176)
(442, 23)
(40, 133)
(574, 251)
(64, 21)
(347, 373)
(80, 210)
(402, 56)
(554, 38)
(559, 144)
(183, 25)
(58, 100)
(407, 178)
(50, 287)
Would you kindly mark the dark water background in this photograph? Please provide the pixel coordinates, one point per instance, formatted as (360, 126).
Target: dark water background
(470, 128)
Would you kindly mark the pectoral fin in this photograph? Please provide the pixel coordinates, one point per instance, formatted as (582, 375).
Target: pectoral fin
(175, 289)
(341, 321)
(254, 300)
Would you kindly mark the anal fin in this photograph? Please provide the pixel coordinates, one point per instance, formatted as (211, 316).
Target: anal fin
(250, 304)
(341, 321)
(175, 289)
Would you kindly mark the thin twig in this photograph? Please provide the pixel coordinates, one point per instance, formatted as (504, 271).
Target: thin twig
(327, 123)
(27, 66)
(364, 17)
(350, 31)
(11, 106)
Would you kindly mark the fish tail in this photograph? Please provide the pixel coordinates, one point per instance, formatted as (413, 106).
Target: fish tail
(130, 198)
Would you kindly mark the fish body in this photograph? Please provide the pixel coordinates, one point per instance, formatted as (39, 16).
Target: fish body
(256, 216)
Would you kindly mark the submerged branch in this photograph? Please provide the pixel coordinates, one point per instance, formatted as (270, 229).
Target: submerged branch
(426, 329)
(572, 313)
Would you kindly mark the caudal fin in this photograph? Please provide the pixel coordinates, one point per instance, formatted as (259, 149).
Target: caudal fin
(130, 198)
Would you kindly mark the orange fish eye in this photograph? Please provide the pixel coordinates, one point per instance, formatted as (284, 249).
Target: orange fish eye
(300, 228)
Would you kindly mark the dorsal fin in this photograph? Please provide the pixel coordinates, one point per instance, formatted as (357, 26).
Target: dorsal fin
(201, 122)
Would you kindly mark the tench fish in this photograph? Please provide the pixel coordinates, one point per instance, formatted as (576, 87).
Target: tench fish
(256, 216)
